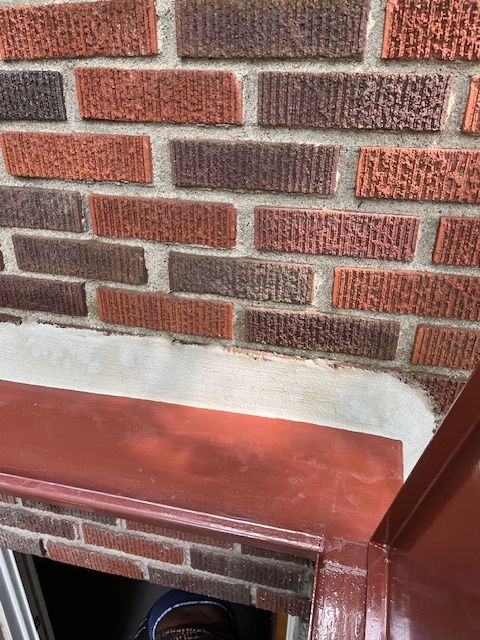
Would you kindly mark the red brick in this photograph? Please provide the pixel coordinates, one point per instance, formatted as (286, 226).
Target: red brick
(432, 30)
(336, 233)
(150, 95)
(471, 124)
(133, 545)
(353, 100)
(259, 29)
(370, 338)
(166, 313)
(282, 603)
(447, 347)
(20, 543)
(70, 511)
(38, 294)
(424, 294)
(242, 277)
(288, 167)
(78, 30)
(93, 560)
(442, 389)
(78, 156)
(177, 535)
(212, 224)
(437, 175)
(81, 258)
(36, 523)
(458, 242)
(7, 499)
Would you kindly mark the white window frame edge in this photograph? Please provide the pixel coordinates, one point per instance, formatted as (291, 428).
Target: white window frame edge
(16, 620)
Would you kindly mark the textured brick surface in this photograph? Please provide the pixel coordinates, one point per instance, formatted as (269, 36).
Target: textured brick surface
(178, 535)
(439, 175)
(336, 233)
(40, 209)
(203, 585)
(7, 499)
(241, 277)
(183, 97)
(78, 30)
(212, 224)
(94, 560)
(293, 168)
(321, 332)
(353, 100)
(432, 29)
(38, 294)
(78, 156)
(458, 242)
(36, 523)
(274, 555)
(441, 389)
(133, 545)
(80, 258)
(424, 294)
(281, 603)
(70, 511)
(31, 95)
(447, 347)
(166, 313)
(20, 543)
(471, 123)
(259, 29)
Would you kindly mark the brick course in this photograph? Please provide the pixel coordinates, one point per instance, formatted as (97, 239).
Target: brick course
(39, 294)
(36, 523)
(31, 95)
(94, 560)
(50, 209)
(447, 347)
(458, 242)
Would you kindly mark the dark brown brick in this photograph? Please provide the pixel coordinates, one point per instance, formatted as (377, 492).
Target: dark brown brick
(20, 543)
(93, 560)
(259, 29)
(70, 511)
(36, 523)
(31, 95)
(288, 167)
(458, 242)
(336, 233)
(353, 100)
(366, 337)
(242, 277)
(258, 552)
(447, 347)
(212, 224)
(38, 294)
(6, 317)
(442, 389)
(41, 209)
(81, 258)
(177, 535)
(282, 603)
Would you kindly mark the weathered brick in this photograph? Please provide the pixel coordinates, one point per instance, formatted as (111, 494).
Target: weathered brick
(166, 532)
(259, 29)
(442, 389)
(353, 100)
(438, 175)
(6, 317)
(212, 224)
(177, 96)
(166, 313)
(93, 560)
(70, 511)
(458, 242)
(432, 30)
(447, 347)
(241, 277)
(31, 95)
(288, 167)
(249, 569)
(366, 337)
(40, 209)
(20, 543)
(2, 264)
(336, 233)
(424, 294)
(203, 585)
(36, 523)
(81, 258)
(78, 156)
(471, 123)
(133, 545)
(7, 499)
(78, 30)
(273, 555)
(38, 294)
(282, 603)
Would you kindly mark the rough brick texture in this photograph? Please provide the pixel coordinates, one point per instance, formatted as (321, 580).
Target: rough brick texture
(458, 242)
(259, 29)
(260, 552)
(40, 209)
(432, 29)
(31, 95)
(36, 523)
(80, 156)
(182, 97)
(166, 313)
(70, 511)
(353, 100)
(441, 389)
(78, 30)
(38, 294)
(321, 332)
(438, 175)
(178, 535)
(7, 499)
(424, 294)
(471, 123)
(80, 258)
(292, 168)
(20, 542)
(447, 347)
(174, 221)
(282, 603)
(94, 560)
(241, 278)
(336, 233)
